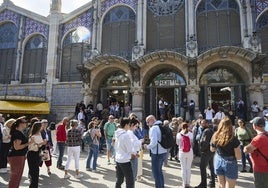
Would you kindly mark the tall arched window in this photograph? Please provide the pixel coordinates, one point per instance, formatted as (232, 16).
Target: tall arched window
(8, 45)
(34, 60)
(166, 25)
(262, 31)
(218, 24)
(74, 47)
(118, 32)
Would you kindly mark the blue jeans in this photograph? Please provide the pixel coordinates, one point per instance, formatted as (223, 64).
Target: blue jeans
(245, 156)
(134, 165)
(102, 140)
(93, 152)
(61, 147)
(157, 161)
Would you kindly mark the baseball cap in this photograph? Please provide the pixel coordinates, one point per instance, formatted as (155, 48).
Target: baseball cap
(259, 121)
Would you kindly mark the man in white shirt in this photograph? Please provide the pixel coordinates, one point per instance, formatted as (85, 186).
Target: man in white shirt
(158, 153)
(219, 115)
(209, 114)
(161, 106)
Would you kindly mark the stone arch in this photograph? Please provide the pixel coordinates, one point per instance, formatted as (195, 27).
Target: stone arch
(29, 37)
(237, 1)
(235, 58)
(156, 62)
(103, 65)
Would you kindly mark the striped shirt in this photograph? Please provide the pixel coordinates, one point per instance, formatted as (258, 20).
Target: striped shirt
(73, 137)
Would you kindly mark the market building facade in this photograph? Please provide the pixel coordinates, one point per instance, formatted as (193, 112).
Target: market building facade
(135, 51)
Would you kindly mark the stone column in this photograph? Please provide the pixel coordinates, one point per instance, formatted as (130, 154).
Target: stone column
(140, 44)
(256, 94)
(52, 55)
(137, 101)
(191, 42)
(192, 94)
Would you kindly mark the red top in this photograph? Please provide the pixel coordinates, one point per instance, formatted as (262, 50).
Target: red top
(61, 133)
(259, 162)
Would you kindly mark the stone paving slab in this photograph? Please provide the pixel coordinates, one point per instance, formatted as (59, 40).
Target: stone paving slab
(106, 178)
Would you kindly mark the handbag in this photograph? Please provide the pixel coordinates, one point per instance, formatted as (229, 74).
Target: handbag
(45, 155)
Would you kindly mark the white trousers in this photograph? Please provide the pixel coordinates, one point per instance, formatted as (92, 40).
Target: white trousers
(186, 160)
(73, 152)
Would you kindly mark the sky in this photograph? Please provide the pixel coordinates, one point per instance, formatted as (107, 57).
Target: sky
(42, 6)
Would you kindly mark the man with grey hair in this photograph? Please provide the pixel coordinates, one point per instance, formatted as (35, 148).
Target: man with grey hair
(259, 153)
(158, 153)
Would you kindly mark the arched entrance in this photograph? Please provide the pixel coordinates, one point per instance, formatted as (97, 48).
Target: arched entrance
(114, 89)
(221, 87)
(168, 85)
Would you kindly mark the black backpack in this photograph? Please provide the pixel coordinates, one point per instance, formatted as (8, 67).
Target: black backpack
(167, 140)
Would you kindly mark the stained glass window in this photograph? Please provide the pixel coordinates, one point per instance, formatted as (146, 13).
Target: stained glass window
(214, 5)
(164, 7)
(8, 36)
(119, 14)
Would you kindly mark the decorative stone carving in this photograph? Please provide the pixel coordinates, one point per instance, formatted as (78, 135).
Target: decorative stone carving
(192, 89)
(137, 52)
(90, 54)
(137, 91)
(255, 42)
(135, 73)
(257, 67)
(192, 68)
(85, 73)
(257, 88)
(191, 45)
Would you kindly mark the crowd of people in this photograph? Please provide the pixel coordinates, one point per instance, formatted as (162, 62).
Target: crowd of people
(217, 139)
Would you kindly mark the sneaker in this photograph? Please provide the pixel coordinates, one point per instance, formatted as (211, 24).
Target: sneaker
(60, 167)
(3, 170)
(78, 176)
(67, 176)
(95, 171)
(88, 169)
(108, 162)
(243, 171)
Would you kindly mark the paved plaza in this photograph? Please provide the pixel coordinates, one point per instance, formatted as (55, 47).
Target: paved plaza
(106, 178)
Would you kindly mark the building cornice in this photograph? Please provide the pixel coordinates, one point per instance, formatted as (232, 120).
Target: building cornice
(25, 13)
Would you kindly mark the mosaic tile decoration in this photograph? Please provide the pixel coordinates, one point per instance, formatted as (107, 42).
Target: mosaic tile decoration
(10, 15)
(261, 5)
(85, 19)
(33, 26)
(105, 5)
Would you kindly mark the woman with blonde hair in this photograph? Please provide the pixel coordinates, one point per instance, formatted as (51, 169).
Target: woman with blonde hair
(228, 152)
(184, 140)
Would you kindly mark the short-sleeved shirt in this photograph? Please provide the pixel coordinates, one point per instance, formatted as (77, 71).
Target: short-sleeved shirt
(258, 161)
(228, 150)
(18, 135)
(93, 133)
(243, 135)
(37, 140)
(109, 128)
(73, 137)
